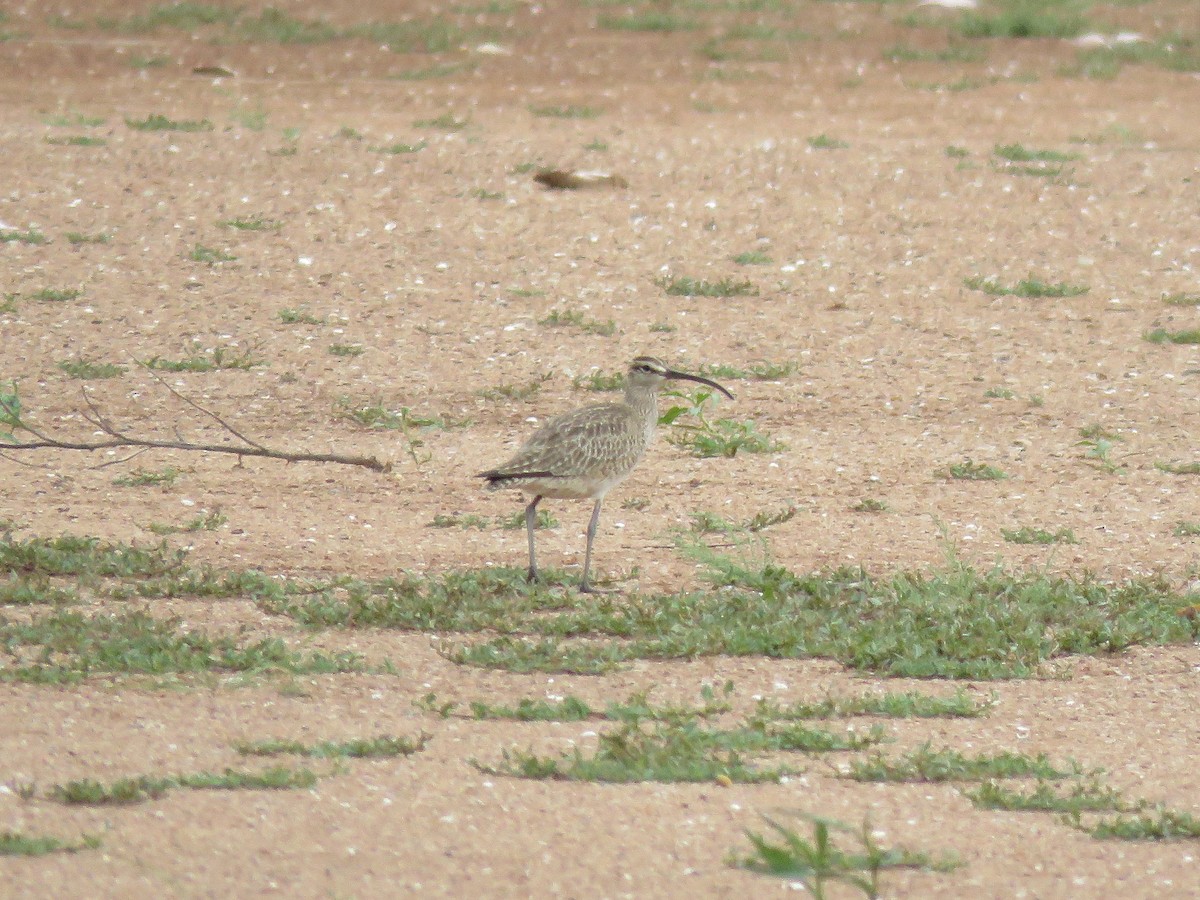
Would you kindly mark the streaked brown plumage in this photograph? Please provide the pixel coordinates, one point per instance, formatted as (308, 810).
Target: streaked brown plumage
(585, 453)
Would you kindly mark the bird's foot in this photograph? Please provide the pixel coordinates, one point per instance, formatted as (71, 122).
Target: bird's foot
(586, 587)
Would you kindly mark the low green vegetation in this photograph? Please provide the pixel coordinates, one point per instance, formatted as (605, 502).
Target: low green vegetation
(825, 142)
(144, 478)
(816, 863)
(31, 236)
(85, 369)
(16, 843)
(383, 747)
(209, 255)
(650, 20)
(401, 148)
(574, 318)
(1027, 535)
(346, 350)
(128, 791)
(159, 122)
(56, 295)
(1026, 287)
(571, 111)
(251, 223)
(1163, 336)
(444, 122)
(968, 470)
(75, 140)
(691, 287)
(79, 237)
(928, 765)
(219, 357)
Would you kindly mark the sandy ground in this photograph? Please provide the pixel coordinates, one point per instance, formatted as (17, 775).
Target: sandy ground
(441, 265)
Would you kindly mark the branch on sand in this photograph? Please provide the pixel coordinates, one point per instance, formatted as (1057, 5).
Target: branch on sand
(117, 437)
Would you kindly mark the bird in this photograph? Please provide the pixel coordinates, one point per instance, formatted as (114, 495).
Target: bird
(585, 453)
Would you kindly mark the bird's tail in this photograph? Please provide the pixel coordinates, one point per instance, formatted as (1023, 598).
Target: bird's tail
(497, 479)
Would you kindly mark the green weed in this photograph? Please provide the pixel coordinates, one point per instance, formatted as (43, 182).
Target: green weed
(1190, 468)
(1028, 287)
(567, 112)
(301, 316)
(86, 369)
(57, 295)
(158, 122)
(870, 504)
(825, 142)
(1162, 336)
(15, 843)
(215, 359)
(650, 20)
(752, 258)
(251, 223)
(401, 148)
(143, 478)
(78, 237)
(1027, 535)
(690, 287)
(384, 747)
(576, 319)
(817, 862)
(75, 140)
(346, 350)
(927, 765)
(208, 255)
(32, 236)
(446, 122)
(967, 470)
(127, 791)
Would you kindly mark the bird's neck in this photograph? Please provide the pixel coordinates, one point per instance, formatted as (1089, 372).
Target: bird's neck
(643, 400)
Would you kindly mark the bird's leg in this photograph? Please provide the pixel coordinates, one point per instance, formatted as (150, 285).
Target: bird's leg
(585, 586)
(530, 524)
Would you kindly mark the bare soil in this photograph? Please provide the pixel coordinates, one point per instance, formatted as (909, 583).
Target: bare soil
(441, 263)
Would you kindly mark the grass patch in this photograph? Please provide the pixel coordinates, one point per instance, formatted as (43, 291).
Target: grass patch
(78, 237)
(251, 223)
(401, 148)
(15, 843)
(57, 295)
(1162, 336)
(723, 437)
(691, 287)
(1163, 825)
(86, 369)
(1023, 19)
(871, 505)
(301, 316)
(576, 319)
(384, 747)
(667, 752)
(445, 122)
(817, 862)
(926, 765)
(1181, 299)
(650, 20)
(960, 53)
(129, 791)
(1187, 529)
(203, 522)
(967, 470)
(1027, 535)
(1027, 287)
(75, 140)
(752, 258)
(1020, 153)
(346, 350)
(1191, 468)
(514, 391)
(908, 705)
(143, 478)
(825, 142)
(208, 255)
(599, 381)
(764, 371)
(1079, 797)
(567, 112)
(15, 236)
(65, 646)
(215, 359)
(158, 122)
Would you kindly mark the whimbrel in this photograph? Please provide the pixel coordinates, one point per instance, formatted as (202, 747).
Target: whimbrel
(585, 453)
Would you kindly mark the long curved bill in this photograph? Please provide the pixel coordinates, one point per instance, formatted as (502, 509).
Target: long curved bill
(699, 379)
